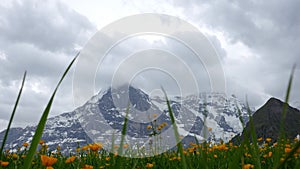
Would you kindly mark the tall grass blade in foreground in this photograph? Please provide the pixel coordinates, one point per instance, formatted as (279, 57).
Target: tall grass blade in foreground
(282, 124)
(254, 149)
(179, 144)
(39, 130)
(120, 150)
(12, 116)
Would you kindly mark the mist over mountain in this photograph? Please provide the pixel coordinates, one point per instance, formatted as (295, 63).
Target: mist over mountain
(208, 116)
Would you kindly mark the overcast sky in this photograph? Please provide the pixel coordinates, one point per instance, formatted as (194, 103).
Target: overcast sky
(257, 42)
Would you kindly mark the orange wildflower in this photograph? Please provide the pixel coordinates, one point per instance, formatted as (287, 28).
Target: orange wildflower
(270, 154)
(268, 139)
(149, 165)
(248, 166)
(85, 148)
(87, 167)
(125, 146)
(95, 146)
(25, 144)
(287, 150)
(15, 156)
(48, 161)
(70, 159)
(298, 150)
(41, 142)
(4, 163)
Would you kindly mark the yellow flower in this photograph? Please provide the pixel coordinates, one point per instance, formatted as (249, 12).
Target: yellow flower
(209, 129)
(15, 156)
(125, 146)
(48, 161)
(107, 158)
(85, 148)
(58, 148)
(248, 166)
(149, 127)
(215, 156)
(298, 150)
(287, 150)
(164, 124)
(222, 147)
(95, 147)
(70, 159)
(268, 139)
(260, 139)
(25, 144)
(87, 167)
(270, 154)
(149, 165)
(41, 142)
(4, 163)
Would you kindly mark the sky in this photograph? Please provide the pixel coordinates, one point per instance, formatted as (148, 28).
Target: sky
(256, 41)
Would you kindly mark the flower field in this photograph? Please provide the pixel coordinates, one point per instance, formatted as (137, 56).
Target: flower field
(205, 155)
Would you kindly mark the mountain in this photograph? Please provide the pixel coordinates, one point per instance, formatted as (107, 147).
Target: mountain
(101, 119)
(267, 120)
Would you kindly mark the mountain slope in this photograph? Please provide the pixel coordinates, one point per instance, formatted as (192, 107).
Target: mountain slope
(267, 120)
(102, 117)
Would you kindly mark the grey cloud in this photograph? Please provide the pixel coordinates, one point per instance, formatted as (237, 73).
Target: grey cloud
(40, 37)
(270, 29)
(49, 25)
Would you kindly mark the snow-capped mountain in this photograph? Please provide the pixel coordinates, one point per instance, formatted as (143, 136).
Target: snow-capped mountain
(209, 116)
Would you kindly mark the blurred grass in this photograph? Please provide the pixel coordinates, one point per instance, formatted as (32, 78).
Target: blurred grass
(179, 144)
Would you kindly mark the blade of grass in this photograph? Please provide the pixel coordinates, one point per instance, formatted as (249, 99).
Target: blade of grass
(254, 151)
(243, 142)
(120, 150)
(40, 128)
(12, 115)
(179, 144)
(282, 122)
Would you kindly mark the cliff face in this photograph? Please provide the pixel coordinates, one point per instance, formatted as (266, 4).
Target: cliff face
(267, 121)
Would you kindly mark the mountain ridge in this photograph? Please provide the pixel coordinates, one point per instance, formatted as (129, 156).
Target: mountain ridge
(267, 120)
(106, 111)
